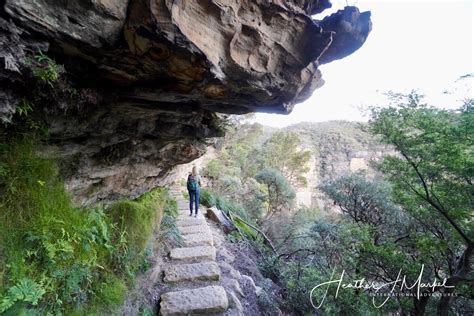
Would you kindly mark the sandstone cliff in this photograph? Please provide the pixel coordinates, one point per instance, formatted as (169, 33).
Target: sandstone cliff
(144, 79)
(337, 148)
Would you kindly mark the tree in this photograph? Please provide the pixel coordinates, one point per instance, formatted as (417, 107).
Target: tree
(364, 201)
(281, 151)
(280, 195)
(385, 238)
(213, 171)
(242, 150)
(433, 174)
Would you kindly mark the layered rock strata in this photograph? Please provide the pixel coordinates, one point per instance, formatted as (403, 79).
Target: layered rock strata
(143, 79)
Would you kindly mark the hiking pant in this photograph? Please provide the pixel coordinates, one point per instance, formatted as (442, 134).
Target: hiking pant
(193, 200)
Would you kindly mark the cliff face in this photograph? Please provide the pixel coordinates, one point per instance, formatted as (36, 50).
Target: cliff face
(337, 148)
(148, 76)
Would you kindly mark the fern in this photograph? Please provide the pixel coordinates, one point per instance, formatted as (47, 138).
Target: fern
(47, 71)
(24, 107)
(26, 290)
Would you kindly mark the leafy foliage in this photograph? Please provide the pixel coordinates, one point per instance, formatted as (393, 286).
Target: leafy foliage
(26, 291)
(416, 210)
(56, 257)
(436, 164)
(280, 195)
(433, 179)
(210, 199)
(281, 152)
(46, 69)
(242, 169)
(364, 201)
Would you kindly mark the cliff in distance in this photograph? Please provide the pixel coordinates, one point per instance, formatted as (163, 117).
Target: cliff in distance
(337, 148)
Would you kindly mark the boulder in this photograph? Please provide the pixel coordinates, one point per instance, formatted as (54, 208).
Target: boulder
(217, 216)
(239, 309)
(225, 255)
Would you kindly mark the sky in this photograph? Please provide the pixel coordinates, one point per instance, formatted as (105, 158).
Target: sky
(422, 45)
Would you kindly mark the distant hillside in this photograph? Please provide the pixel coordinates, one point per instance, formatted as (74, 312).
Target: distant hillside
(338, 147)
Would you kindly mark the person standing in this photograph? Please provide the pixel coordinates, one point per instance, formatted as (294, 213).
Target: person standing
(194, 187)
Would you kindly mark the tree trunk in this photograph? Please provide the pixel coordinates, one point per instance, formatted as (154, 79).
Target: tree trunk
(420, 305)
(463, 268)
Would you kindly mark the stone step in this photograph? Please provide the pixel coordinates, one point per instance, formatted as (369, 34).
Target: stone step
(193, 271)
(204, 300)
(193, 253)
(184, 216)
(199, 239)
(185, 230)
(186, 208)
(183, 208)
(190, 221)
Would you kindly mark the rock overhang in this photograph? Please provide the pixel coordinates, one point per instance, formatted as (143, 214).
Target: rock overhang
(224, 56)
(153, 76)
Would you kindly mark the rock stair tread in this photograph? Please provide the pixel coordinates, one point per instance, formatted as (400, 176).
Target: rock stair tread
(190, 221)
(185, 216)
(186, 230)
(198, 249)
(209, 299)
(193, 253)
(198, 239)
(193, 271)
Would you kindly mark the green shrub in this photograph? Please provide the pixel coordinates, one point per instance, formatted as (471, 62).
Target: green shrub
(210, 199)
(146, 312)
(54, 255)
(135, 221)
(234, 207)
(207, 198)
(44, 239)
(267, 301)
(169, 234)
(24, 291)
(112, 291)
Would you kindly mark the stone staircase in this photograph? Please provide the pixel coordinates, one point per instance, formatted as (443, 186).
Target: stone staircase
(193, 268)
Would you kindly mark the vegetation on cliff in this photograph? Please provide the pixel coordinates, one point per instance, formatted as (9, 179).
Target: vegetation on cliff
(410, 215)
(59, 258)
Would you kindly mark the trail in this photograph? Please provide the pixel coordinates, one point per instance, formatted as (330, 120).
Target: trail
(193, 268)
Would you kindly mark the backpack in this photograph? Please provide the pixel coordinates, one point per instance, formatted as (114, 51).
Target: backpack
(192, 183)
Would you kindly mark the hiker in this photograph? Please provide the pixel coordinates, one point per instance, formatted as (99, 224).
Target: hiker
(194, 187)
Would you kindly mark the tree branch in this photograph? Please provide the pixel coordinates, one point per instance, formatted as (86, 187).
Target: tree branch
(435, 205)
